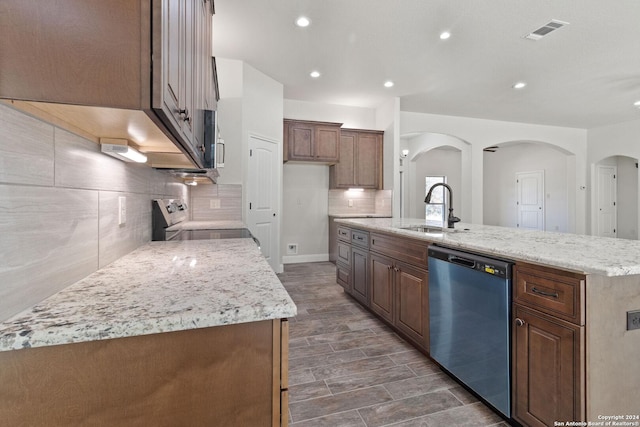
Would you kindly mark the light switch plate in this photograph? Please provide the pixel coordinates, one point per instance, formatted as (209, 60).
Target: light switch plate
(214, 204)
(633, 320)
(122, 210)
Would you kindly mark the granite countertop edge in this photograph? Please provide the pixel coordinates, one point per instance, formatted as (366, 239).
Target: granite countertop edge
(160, 287)
(581, 253)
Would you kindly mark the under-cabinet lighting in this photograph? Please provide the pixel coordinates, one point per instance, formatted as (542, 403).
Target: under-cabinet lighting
(119, 148)
(194, 182)
(356, 189)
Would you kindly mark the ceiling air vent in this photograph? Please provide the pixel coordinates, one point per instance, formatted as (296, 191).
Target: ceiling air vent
(545, 29)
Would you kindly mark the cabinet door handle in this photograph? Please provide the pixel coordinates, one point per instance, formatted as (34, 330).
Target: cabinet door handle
(396, 269)
(184, 114)
(519, 322)
(546, 294)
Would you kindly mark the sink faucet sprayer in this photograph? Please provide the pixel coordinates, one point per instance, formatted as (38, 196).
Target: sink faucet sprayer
(450, 219)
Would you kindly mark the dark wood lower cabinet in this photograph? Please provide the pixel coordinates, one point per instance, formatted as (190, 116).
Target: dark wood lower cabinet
(359, 269)
(382, 286)
(548, 379)
(412, 303)
(400, 295)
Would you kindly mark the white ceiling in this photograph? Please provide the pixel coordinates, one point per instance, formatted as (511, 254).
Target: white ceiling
(584, 75)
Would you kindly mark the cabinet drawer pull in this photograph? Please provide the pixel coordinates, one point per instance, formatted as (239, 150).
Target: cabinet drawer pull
(546, 294)
(519, 322)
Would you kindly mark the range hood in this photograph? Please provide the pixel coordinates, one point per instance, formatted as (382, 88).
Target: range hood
(195, 176)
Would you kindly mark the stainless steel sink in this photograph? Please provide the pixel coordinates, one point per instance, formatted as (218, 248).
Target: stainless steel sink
(427, 229)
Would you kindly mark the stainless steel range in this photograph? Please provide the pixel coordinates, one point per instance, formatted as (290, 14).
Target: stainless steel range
(170, 221)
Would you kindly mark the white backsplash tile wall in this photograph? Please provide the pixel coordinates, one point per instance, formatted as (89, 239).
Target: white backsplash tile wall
(360, 202)
(221, 202)
(59, 208)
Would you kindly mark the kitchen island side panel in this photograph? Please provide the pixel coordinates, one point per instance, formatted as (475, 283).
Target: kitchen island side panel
(613, 372)
(218, 376)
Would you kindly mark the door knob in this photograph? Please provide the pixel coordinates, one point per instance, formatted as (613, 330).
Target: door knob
(519, 322)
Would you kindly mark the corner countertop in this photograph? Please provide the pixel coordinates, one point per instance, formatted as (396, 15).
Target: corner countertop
(588, 254)
(159, 287)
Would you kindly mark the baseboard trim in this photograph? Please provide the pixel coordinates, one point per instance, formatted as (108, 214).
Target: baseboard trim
(297, 259)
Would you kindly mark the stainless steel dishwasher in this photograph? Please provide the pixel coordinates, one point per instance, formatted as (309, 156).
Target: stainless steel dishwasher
(469, 321)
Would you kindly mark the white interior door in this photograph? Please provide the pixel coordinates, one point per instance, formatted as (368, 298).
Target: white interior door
(262, 197)
(606, 201)
(530, 200)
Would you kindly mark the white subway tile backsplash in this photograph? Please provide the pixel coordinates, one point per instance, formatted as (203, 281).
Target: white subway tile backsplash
(26, 149)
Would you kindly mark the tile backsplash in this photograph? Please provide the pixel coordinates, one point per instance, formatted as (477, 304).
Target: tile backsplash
(362, 202)
(59, 208)
(221, 202)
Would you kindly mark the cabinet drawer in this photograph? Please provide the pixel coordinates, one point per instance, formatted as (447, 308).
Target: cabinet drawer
(360, 238)
(556, 292)
(343, 276)
(344, 253)
(344, 234)
(403, 249)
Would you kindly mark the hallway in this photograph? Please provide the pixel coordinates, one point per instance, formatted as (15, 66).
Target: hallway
(347, 369)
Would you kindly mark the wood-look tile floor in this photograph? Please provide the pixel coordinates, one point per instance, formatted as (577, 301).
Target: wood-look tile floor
(346, 368)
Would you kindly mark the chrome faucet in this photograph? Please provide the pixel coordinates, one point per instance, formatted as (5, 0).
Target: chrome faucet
(450, 219)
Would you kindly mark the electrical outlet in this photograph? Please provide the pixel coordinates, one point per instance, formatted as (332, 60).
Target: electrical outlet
(292, 248)
(122, 210)
(350, 203)
(214, 204)
(633, 320)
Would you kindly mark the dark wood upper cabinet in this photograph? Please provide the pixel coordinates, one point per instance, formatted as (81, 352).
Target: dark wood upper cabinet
(309, 141)
(360, 162)
(108, 67)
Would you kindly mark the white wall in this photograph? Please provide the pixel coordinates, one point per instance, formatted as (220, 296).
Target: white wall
(251, 104)
(480, 133)
(500, 197)
(627, 198)
(308, 224)
(622, 139)
(305, 212)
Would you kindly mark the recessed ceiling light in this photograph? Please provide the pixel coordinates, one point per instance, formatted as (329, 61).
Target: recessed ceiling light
(315, 74)
(519, 85)
(637, 104)
(303, 21)
(388, 83)
(445, 35)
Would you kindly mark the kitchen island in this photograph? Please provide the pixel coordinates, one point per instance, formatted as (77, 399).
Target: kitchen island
(174, 333)
(572, 349)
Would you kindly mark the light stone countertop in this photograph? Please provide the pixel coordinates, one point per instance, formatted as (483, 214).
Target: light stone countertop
(159, 287)
(207, 225)
(360, 215)
(589, 254)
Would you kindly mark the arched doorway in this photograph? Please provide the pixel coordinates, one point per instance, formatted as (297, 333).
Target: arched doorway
(435, 155)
